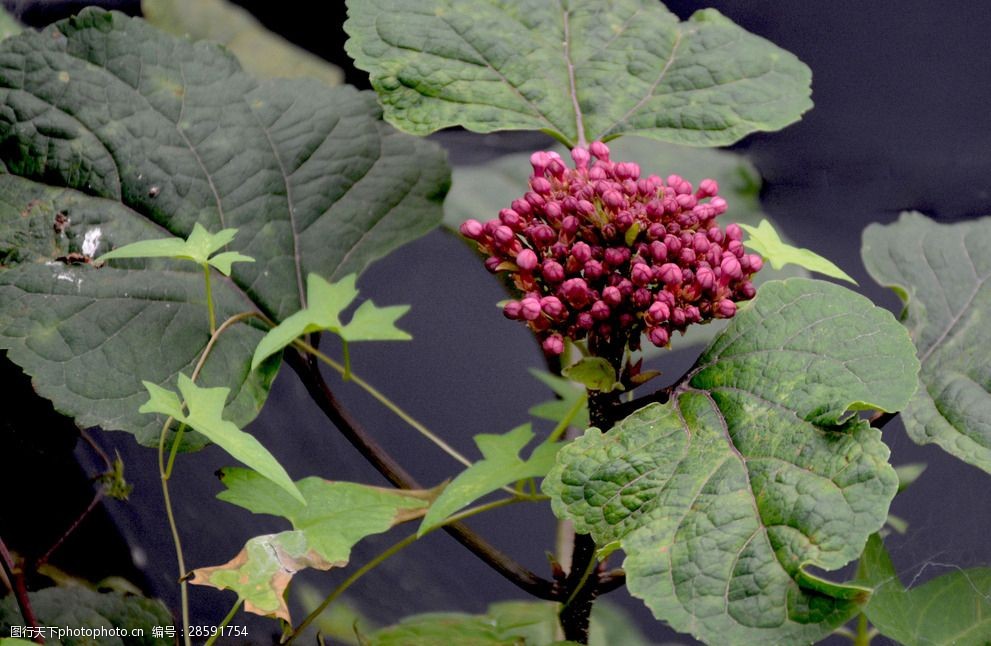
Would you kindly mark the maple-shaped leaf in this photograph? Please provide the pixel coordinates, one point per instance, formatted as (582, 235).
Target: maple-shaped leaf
(765, 240)
(198, 247)
(206, 410)
(333, 518)
(325, 302)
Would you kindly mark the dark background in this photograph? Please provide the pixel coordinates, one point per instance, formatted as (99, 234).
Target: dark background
(901, 121)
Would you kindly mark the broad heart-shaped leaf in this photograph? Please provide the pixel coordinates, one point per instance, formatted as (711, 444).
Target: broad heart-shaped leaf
(500, 465)
(574, 68)
(953, 609)
(336, 515)
(326, 301)
(941, 273)
(765, 240)
(260, 51)
(480, 191)
(206, 415)
(754, 471)
(113, 132)
(78, 607)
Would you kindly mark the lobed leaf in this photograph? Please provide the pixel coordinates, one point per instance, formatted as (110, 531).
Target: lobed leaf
(941, 273)
(333, 518)
(206, 410)
(198, 247)
(568, 393)
(577, 69)
(595, 373)
(754, 472)
(951, 610)
(111, 133)
(765, 240)
(500, 465)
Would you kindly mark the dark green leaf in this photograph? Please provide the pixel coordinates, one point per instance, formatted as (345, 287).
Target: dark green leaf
(941, 273)
(79, 607)
(112, 132)
(500, 465)
(578, 69)
(754, 471)
(260, 51)
(951, 610)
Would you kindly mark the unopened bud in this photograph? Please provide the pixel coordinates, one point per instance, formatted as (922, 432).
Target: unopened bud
(600, 310)
(471, 229)
(530, 308)
(669, 273)
(658, 312)
(552, 306)
(725, 309)
(641, 274)
(730, 267)
(600, 150)
(512, 310)
(658, 336)
(526, 260)
(553, 344)
(612, 296)
(552, 271)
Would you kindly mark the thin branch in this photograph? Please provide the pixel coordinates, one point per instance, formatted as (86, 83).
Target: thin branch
(20, 591)
(309, 372)
(97, 497)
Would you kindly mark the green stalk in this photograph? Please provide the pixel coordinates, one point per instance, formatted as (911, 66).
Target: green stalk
(183, 592)
(223, 624)
(565, 422)
(209, 299)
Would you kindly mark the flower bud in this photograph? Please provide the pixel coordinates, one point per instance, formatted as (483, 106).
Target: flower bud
(540, 185)
(725, 309)
(734, 232)
(580, 157)
(569, 225)
(593, 270)
(503, 234)
(540, 161)
(613, 199)
(669, 273)
(616, 256)
(612, 296)
(658, 251)
(552, 306)
(600, 150)
(553, 344)
(658, 312)
(658, 336)
(756, 263)
(706, 278)
(492, 263)
(581, 252)
(641, 274)
(673, 243)
(530, 308)
(471, 229)
(678, 317)
(627, 170)
(552, 271)
(575, 291)
(730, 267)
(512, 310)
(553, 211)
(600, 310)
(707, 188)
(526, 260)
(585, 321)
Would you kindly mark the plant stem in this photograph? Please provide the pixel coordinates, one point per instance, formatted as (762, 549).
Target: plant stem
(565, 422)
(209, 299)
(223, 624)
(385, 401)
(20, 590)
(378, 560)
(164, 476)
(863, 636)
(309, 373)
(97, 497)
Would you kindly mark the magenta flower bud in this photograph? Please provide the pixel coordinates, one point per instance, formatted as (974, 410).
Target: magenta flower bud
(540, 161)
(597, 172)
(658, 312)
(553, 271)
(491, 225)
(534, 199)
(735, 247)
(718, 205)
(585, 208)
(687, 256)
(559, 249)
(593, 270)
(553, 211)
(600, 310)
(641, 297)
(725, 309)
(746, 290)
(734, 232)
(630, 188)
(665, 297)
(669, 273)
(540, 185)
(673, 243)
(692, 314)
(585, 321)
(715, 234)
(543, 235)
(658, 336)
(512, 310)
(612, 296)
(730, 267)
(686, 201)
(641, 274)
(623, 221)
(492, 263)
(678, 317)
(581, 252)
(700, 242)
(553, 344)
(707, 188)
(530, 308)
(471, 229)
(658, 251)
(600, 150)
(522, 207)
(756, 263)
(526, 260)
(580, 157)
(627, 170)
(569, 225)
(616, 256)
(706, 278)
(552, 306)
(510, 218)
(503, 234)
(575, 291)
(613, 199)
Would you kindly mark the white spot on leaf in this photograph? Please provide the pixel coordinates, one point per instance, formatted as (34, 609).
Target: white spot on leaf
(91, 241)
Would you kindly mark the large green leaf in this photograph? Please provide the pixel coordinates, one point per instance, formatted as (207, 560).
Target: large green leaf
(951, 610)
(112, 132)
(500, 465)
(334, 517)
(79, 607)
(574, 68)
(480, 191)
(941, 273)
(754, 471)
(260, 51)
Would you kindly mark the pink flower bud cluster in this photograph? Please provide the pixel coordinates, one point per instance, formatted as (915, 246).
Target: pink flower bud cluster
(600, 252)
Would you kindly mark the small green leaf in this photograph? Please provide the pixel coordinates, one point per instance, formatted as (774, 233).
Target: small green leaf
(325, 302)
(198, 247)
(909, 473)
(568, 394)
(581, 70)
(500, 465)
(951, 610)
(260, 51)
(726, 496)
(595, 373)
(206, 409)
(942, 272)
(765, 240)
(329, 520)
